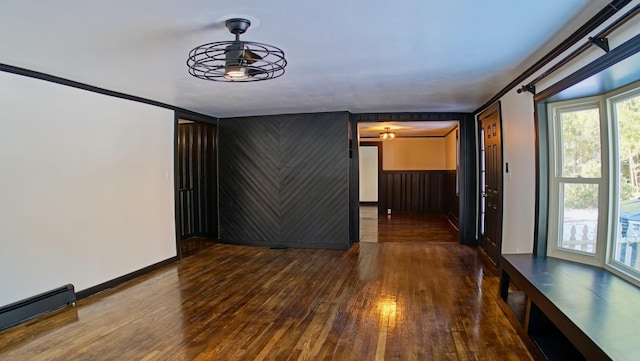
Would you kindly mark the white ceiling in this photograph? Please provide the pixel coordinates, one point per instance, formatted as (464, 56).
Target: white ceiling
(358, 55)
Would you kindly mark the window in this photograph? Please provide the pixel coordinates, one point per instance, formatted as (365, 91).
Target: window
(625, 114)
(576, 181)
(594, 181)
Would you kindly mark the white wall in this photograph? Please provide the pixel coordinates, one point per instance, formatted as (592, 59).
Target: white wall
(414, 154)
(87, 187)
(520, 182)
(368, 174)
(519, 147)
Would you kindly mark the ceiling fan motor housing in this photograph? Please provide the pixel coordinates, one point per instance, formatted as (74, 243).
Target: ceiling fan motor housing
(237, 25)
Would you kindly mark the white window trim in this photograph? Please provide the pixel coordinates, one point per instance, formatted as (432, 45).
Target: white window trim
(555, 218)
(611, 265)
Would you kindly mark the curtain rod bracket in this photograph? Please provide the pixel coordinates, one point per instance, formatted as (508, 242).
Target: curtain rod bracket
(529, 88)
(602, 43)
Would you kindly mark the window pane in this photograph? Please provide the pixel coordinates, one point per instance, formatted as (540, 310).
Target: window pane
(579, 217)
(628, 121)
(580, 136)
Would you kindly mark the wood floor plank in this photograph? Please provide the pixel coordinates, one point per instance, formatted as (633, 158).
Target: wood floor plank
(387, 300)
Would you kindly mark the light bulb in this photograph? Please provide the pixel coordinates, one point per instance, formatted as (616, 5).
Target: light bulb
(236, 74)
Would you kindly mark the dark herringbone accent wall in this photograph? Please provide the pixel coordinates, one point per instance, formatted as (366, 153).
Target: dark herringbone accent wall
(284, 180)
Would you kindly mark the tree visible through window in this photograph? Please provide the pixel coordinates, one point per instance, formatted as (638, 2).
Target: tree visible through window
(581, 159)
(627, 116)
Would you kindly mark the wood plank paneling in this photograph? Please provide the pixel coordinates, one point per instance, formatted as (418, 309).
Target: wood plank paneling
(197, 185)
(354, 181)
(417, 192)
(284, 180)
(408, 116)
(468, 183)
(452, 200)
(314, 193)
(249, 166)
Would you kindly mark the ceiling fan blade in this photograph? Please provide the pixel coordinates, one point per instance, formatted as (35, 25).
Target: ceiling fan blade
(207, 27)
(255, 71)
(251, 56)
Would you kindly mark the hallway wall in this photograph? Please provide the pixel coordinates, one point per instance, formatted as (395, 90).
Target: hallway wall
(427, 153)
(369, 174)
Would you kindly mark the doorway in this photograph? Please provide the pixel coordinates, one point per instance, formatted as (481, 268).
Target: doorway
(369, 167)
(490, 210)
(196, 186)
(416, 179)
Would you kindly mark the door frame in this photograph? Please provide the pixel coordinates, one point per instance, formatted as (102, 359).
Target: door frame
(197, 118)
(467, 176)
(495, 108)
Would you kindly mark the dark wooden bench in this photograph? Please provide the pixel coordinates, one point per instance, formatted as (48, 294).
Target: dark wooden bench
(569, 311)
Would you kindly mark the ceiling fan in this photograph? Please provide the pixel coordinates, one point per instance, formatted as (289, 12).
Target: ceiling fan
(237, 60)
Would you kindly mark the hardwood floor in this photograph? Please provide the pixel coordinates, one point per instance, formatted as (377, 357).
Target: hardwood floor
(376, 301)
(404, 227)
(193, 245)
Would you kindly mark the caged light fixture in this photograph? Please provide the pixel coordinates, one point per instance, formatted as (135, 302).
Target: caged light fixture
(237, 60)
(387, 134)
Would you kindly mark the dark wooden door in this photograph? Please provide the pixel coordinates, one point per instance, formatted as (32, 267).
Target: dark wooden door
(490, 227)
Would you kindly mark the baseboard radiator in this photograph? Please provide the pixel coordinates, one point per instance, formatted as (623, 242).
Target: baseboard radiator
(31, 307)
